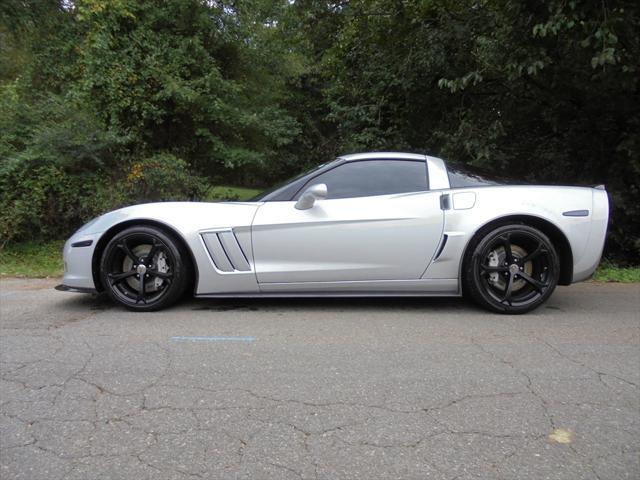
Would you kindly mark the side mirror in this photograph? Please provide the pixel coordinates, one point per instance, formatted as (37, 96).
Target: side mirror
(310, 195)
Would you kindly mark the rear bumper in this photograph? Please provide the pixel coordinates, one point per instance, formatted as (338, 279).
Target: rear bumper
(587, 263)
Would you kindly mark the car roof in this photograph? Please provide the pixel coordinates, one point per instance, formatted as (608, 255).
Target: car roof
(385, 155)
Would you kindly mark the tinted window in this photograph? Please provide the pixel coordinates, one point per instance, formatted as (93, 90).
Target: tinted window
(283, 191)
(460, 177)
(372, 177)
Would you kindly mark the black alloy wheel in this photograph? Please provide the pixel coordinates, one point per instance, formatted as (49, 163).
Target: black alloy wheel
(144, 269)
(512, 269)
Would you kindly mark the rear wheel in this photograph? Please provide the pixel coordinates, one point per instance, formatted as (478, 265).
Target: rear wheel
(511, 269)
(144, 269)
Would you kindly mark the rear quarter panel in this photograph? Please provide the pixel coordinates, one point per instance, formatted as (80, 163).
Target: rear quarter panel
(476, 207)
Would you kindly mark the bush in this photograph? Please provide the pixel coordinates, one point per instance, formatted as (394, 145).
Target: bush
(52, 174)
(163, 177)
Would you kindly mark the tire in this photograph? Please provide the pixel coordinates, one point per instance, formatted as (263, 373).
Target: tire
(511, 269)
(144, 269)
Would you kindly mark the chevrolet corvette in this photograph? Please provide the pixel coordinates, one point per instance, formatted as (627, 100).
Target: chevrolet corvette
(370, 224)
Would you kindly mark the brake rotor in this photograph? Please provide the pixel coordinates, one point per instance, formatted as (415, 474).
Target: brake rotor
(159, 262)
(497, 258)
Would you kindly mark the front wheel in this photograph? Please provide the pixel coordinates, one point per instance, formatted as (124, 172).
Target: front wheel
(144, 269)
(512, 269)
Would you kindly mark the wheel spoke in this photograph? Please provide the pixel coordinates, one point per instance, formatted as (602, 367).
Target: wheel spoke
(535, 254)
(118, 277)
(141, 286)
(492, 269)
(159, 274)
(535, 283)
(125, 248)
(506, 243)
(507, 291)
(154, 249)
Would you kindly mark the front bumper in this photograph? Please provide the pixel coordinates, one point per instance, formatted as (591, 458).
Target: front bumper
(78, 270)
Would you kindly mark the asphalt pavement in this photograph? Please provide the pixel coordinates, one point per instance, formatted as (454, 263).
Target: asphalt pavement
(319, 388)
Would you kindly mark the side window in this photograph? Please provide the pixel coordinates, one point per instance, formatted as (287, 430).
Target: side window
(373, 177)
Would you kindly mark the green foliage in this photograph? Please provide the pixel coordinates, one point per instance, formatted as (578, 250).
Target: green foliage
(109, 102)
(180, 78)
(54, 160)
(106, 103)
(226, 193)
(31, 259)
(608, 273)
(546, 92)
(163, 177)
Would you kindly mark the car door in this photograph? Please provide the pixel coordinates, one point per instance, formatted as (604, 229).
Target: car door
(378, 222)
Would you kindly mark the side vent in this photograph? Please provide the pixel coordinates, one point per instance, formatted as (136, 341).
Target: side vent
(225, 251)
(445, 237)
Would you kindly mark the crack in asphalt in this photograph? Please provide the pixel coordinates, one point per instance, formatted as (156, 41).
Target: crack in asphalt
(83, 415)
(101, 390)
(529, 385)
(582, 364)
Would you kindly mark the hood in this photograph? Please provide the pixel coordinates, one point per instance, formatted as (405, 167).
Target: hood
(182, 216)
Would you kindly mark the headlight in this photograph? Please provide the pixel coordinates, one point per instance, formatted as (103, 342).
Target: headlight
(87, 225)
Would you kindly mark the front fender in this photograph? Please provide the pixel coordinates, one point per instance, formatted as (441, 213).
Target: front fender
(185, 219)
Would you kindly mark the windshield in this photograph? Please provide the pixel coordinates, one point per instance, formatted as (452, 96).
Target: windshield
(272, 193)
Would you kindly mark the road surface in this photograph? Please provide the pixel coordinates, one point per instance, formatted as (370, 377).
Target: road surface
(319, 389)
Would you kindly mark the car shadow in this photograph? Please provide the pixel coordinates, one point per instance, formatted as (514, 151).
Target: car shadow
(86, 301)
(451, 305)
(328, 303)
(101, 301)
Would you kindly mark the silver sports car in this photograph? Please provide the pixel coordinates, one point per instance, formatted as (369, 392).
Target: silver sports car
(370, 224)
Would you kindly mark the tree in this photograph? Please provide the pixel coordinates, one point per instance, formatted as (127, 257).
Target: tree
(181, 88)
(546, 92)
(133, 96)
